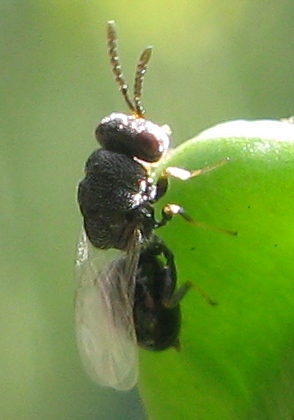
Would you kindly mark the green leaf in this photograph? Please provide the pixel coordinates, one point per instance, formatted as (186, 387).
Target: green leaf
(237, 358)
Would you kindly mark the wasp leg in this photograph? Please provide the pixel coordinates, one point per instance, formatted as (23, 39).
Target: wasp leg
(161, 187)
(171, 210)
(178, 295)
(171, 296)
(175, 298)
(184, 174)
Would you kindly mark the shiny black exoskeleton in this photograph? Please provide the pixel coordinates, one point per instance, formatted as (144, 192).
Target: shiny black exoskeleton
(157, 312)
(117, 194)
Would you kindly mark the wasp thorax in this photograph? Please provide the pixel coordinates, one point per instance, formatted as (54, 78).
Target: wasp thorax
(133, 136)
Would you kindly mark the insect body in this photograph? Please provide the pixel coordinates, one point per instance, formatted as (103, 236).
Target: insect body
(114, 256)
(126, 276)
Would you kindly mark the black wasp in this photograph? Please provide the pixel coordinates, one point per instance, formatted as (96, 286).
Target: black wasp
(127, 276)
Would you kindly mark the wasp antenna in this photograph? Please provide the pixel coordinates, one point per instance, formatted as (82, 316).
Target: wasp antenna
(139, 78)
(115, 63)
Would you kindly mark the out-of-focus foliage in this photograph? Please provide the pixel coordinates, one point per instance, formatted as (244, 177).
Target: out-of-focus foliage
(212, 61)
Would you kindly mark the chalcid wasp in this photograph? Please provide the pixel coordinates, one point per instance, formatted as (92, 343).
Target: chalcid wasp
(127, 293)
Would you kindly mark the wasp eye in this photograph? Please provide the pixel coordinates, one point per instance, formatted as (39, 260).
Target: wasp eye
(132, 136)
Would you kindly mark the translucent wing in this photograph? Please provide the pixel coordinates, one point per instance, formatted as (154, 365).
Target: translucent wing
(104, 313)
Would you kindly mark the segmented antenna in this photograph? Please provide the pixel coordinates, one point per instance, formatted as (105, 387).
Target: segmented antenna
(139, 77)
(115, 62)
(136, 107)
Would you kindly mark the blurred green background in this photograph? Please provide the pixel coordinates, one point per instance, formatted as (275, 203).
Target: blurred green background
(212, 61)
